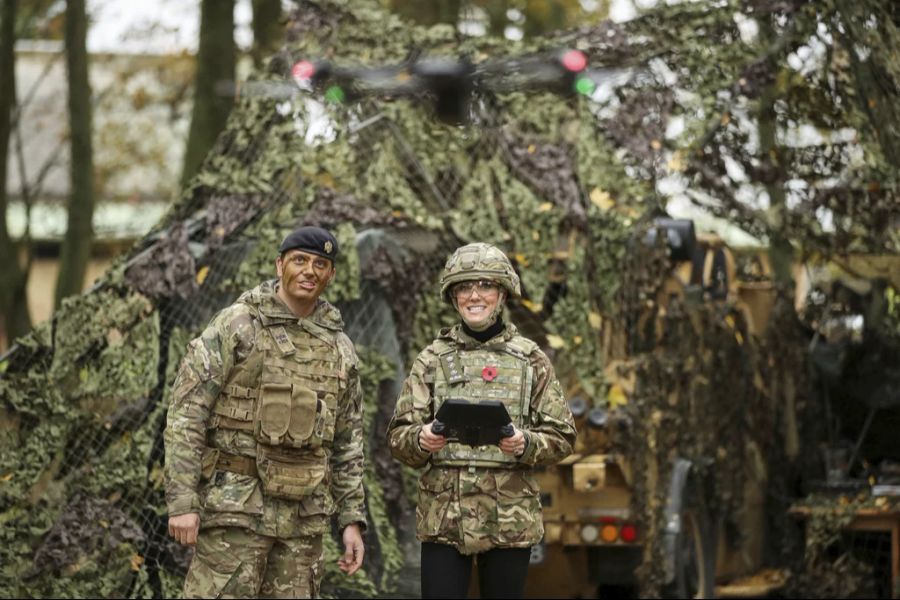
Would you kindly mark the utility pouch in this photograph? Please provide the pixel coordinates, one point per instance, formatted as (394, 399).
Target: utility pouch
(324, 426)
(286, 415)
(208, 463)
(291, 476)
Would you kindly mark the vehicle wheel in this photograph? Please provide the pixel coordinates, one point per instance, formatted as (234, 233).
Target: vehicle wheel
(695, 550)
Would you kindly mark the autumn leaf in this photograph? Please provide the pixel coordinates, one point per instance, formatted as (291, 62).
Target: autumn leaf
(601, 199)
(202, 273)
(534, 307)
(555, 341)
(616, 396)
(676, 163)
(136, 561)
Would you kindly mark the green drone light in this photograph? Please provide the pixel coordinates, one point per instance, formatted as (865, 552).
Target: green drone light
(335, 94)
(585, 86)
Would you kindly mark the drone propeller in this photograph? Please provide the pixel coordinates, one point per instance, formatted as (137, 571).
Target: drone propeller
(450, 83)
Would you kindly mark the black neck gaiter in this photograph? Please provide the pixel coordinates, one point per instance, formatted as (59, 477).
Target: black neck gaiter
(485, 335)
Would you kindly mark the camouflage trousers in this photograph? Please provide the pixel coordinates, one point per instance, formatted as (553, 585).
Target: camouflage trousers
(232, 562)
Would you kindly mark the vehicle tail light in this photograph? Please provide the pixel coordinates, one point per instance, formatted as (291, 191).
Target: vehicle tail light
(589, 533)
(609, 533)
(628, 533)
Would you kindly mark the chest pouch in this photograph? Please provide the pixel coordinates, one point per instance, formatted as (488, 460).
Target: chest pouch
(292, 416)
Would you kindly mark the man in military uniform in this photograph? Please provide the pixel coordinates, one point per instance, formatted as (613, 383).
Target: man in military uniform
(264, 436)
(481, 501)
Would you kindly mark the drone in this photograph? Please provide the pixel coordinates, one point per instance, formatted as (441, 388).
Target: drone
(451, 84)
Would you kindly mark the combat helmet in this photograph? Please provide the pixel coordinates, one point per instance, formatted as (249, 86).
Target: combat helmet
(479, 261)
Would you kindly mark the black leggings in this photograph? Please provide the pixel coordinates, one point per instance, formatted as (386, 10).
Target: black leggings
(446, 572)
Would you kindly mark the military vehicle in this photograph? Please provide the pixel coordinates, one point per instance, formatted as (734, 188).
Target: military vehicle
(596, 531)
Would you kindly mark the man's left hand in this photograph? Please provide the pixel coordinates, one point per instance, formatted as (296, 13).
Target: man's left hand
(354, 550)
(514, 444)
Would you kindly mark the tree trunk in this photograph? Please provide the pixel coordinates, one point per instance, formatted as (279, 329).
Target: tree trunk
(781, 252)
(268, 30)
(542, 16)
(13, 278)
(428, 12)
(496, 12)
(213, 96)
(76, 249)
(448, 11)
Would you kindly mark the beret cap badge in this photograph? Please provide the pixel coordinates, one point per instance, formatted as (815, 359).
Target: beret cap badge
(313, 240)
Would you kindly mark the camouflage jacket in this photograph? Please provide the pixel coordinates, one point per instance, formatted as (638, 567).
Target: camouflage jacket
(476, 509)
(233, 499)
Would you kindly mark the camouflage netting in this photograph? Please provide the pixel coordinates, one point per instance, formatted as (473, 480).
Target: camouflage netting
(832, 565)
(706, 390)
(565, 186)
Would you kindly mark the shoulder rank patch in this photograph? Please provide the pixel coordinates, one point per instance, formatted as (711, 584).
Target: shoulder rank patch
(282, 340)
(453, 370)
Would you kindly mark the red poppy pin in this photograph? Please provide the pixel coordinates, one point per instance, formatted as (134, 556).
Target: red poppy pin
(489, 373)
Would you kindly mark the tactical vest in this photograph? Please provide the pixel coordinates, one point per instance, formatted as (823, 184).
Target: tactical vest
(285, 395)
(496, 372)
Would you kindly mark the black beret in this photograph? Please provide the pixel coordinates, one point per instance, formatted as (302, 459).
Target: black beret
(314, 240)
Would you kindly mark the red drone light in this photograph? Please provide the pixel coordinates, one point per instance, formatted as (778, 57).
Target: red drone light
(303, 70)
(574, 60)
(628, 533)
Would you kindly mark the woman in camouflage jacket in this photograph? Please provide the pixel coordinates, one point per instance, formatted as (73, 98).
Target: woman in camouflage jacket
(480, 501)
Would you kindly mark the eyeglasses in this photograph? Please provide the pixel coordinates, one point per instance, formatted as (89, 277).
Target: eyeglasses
(464, 289)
